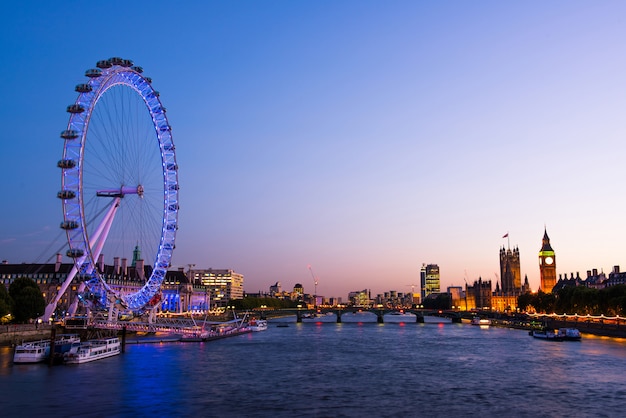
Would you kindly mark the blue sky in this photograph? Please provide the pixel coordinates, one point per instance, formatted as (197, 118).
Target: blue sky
(361, 137)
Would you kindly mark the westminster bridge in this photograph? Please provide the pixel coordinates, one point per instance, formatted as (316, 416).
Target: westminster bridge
(306, 313)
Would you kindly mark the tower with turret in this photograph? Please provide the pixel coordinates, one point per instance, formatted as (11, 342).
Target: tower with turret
(510, 271)
(547, 264)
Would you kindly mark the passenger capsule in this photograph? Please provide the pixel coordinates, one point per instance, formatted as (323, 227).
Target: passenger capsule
(149, 80)
(173, 207)
(75, 253)
(66, 194)
(83, 88)
(93, 72)
(172, 227)
(174, 187)
(169, 147)
(116, 60)
(165, 128)
(69, 225)
(137, 69)
(66, 164)
(75, 108)
(104, 64)
(172, 167)
(69, 134)
(126, 63)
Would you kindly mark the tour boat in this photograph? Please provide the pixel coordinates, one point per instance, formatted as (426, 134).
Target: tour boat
(93, 350)
(569, 334)
(258, 325)
(38, 351)
(481, 321)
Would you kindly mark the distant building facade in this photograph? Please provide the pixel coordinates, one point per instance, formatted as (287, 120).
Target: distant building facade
(478, 296)
(510, 271)
(275, 289)
(594, 279)
(360, 298)
(178, 293)
(457, 297)
(222, 285)
(429, 279)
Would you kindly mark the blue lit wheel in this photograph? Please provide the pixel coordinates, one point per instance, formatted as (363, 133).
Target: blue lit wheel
(119, 183)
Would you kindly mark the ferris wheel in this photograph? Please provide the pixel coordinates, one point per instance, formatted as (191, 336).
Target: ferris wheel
(119, 184)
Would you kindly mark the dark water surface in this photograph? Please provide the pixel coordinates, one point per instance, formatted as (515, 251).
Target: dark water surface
(354, 369)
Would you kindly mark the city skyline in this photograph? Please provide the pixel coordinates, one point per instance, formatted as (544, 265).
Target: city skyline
(361, 138)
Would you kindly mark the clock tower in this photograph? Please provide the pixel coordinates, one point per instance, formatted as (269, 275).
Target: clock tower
(547, 265)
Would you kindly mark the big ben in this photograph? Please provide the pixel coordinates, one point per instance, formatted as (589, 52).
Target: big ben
(547, 264)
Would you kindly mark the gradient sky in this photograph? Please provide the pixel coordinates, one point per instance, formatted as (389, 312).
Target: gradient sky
(361, 137)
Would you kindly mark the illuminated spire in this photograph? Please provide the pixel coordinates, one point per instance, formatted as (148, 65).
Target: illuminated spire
(546, 241)
(136, 256)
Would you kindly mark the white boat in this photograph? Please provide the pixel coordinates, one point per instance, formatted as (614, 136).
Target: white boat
(485, 322)
(569, 334)
(257, 325)
(38, 351)
(93, 350)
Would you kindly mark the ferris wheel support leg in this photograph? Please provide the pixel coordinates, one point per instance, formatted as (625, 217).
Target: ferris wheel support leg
(103, 232)
(95, 238)
(152, 313)
(74, 305)
(52, 306)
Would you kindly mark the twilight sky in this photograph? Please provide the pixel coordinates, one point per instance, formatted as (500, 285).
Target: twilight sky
(361, 137)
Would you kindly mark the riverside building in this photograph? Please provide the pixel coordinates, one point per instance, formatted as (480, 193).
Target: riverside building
(179, 292)
(429, 279)
(222, 285)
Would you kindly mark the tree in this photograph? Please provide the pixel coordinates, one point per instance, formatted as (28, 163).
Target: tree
(28, 302)
(5, 301)
(525, 300)
(440, 301)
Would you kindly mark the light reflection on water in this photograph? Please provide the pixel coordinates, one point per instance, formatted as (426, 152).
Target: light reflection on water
(324, 369)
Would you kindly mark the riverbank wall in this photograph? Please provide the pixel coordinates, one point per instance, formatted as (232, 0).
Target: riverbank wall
(14, 334)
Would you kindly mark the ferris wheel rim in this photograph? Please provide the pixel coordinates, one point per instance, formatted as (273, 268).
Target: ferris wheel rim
(108, 74)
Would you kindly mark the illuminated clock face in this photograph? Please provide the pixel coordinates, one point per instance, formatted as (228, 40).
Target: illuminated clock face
(549, 260)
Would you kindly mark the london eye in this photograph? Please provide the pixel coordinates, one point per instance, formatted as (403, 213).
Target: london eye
(119, 187)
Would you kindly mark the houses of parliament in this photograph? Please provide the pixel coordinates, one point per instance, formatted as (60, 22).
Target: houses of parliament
(480, 295)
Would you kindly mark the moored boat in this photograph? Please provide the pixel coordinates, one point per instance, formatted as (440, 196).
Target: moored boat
(92, 350)
(569, 334)
(484, 322)
(257, 325)
(545, 335)
(39, 351)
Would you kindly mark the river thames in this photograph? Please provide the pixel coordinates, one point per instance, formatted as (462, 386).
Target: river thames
(323, 369)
